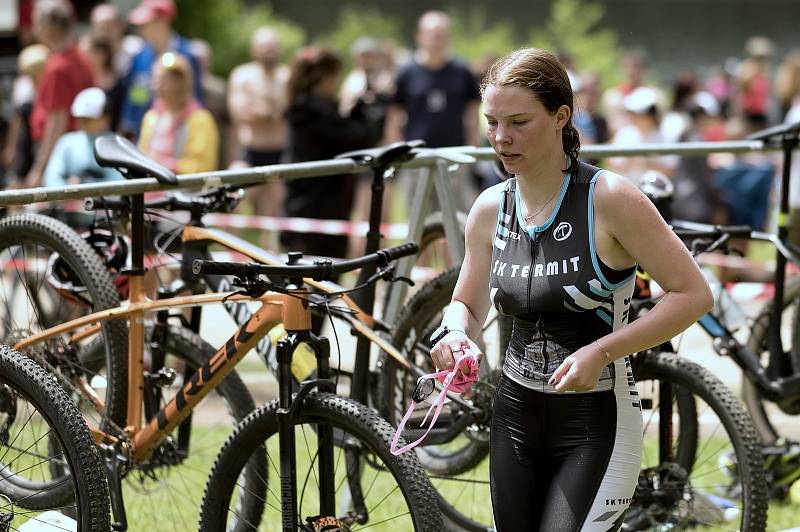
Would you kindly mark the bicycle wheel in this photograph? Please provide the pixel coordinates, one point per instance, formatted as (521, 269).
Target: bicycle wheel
(459, 468)
(759, 408)
(374, 490)
(169, 486)
(41, 425)
(51, 275)
(703, 467)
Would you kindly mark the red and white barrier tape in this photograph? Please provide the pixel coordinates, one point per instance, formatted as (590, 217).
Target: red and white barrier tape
(395, 231)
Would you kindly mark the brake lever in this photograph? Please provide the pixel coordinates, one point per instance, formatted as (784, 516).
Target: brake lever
(387, 274)
(250, 288)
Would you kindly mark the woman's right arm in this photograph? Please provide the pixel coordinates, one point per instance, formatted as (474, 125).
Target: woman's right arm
(470, 304)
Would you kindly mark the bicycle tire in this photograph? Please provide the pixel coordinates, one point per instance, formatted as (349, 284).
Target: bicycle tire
(42, 236)
(362, 423)
(757, 342)
(746, 455)
(430, 255)
(82, 491)
(458, 469)
(413, 323)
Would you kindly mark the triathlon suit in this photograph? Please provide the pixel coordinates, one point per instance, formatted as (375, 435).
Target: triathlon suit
(560, 462)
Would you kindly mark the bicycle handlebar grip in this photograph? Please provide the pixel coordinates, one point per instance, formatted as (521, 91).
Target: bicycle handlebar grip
(403, 250)
(212, 267)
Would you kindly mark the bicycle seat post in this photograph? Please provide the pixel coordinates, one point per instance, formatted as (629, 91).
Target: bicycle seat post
(778, 361)
(366, 297)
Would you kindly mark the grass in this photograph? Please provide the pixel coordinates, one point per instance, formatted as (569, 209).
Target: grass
(174, 496)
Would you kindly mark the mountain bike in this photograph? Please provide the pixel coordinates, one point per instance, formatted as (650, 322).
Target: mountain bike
(156, 433)
(51, 474)
(349, 435)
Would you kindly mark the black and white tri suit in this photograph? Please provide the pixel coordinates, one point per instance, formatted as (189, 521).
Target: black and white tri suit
(560, 462)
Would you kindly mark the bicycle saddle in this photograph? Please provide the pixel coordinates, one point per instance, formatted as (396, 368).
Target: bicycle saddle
(384, 155)
(118, 152)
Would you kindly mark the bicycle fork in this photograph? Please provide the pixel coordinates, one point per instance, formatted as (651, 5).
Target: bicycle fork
(287, 412)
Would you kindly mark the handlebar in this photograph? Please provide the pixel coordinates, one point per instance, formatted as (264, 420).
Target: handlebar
(321, 270)
(690, 230)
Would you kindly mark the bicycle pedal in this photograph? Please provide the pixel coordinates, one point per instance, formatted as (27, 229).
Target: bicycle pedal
(163, 377)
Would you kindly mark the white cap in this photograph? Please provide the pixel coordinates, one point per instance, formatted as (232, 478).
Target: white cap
(89, 103)
(640, 100)
(707, 102)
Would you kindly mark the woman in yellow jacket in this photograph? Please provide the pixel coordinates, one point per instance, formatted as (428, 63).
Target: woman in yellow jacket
(177, 131)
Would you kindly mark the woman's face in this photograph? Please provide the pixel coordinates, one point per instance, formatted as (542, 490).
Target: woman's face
(521, 131)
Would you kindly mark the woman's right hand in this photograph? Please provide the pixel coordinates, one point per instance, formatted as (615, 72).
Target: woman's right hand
(446, 350)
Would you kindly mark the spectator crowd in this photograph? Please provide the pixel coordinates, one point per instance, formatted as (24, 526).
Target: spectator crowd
(136, 76)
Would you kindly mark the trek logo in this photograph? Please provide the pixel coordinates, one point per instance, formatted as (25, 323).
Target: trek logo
(563, 231)
(203, 375)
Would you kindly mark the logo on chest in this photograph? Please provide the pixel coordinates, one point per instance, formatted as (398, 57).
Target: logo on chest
(563, 231)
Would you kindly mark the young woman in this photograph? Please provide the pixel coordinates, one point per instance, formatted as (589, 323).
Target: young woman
(318, 131)
(556, 247)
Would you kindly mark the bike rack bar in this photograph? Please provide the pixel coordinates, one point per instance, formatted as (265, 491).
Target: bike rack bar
(310, 169)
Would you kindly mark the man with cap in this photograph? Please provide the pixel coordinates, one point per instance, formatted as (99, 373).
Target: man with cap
(65, 74)
(154, 19)
(73, 159)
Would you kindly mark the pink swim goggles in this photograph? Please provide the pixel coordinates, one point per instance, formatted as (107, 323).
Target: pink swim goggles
(453, 380)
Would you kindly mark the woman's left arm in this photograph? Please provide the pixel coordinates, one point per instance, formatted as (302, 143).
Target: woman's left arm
(634, 231)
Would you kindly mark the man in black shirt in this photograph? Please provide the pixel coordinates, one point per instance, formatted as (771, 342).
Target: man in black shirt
(437, 96)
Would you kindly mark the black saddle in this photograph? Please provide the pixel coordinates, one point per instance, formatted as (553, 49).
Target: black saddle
(384, 156)
(118, 152)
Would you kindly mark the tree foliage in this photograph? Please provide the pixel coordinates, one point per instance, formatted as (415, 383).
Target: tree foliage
(575, 27)
(474, 38)
(361, 21)
(228, 24)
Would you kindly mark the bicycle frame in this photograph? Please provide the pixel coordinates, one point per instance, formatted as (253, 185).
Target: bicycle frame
(273, 310)
(364, 324)
(292, 310)
(773, 388)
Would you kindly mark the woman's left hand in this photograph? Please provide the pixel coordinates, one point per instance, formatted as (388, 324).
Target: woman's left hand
(580, 371)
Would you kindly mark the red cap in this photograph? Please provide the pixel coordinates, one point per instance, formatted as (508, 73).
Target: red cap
(148, 10)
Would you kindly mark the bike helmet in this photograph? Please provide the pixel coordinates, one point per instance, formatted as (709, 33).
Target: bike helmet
(64, 280)
(112, 248)
(659, 189)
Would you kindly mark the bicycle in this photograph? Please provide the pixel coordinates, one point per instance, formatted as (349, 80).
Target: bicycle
(761, 383)
(52, 474)
(360, 436)
(197, 239)
(52, 276)
(148, 451)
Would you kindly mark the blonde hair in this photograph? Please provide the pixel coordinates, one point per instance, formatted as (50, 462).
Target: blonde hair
(32, 59)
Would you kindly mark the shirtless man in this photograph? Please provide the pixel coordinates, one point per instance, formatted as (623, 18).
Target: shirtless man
(256, 103)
